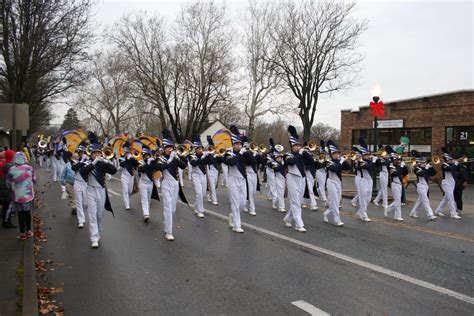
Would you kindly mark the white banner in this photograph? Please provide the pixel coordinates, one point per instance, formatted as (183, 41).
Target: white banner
(389, 124)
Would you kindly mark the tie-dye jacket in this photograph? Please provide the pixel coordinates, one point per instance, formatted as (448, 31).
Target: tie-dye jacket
(20, 179)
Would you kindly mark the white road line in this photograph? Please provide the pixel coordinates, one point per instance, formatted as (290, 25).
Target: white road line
(364, 264)
(113, 192)
(307, 307)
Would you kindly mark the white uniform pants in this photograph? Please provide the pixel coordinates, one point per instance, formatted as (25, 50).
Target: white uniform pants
(295, 186)
(127, 186)
(310, 183)
(321, 178)
(280, 182)
(271, 184)
(145, 187)
(396, 205)
(180, 175)
(48, 163)
(252, 183)
(383, 191)
(355, 200)
(365, 194)
(200, 186)
(237, 198)
(55, 165)
(212, 174)
(95, 210)
(190, 172)
(422, 200)
(334, 198)
(225, 175)
(80, 192)
(169, 192)
(40, 160)
(448, 199)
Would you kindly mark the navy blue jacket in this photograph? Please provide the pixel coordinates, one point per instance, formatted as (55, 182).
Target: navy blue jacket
(337, 167)
(424, 173)
(237, 160)
(99, 170)
(295, 159)
(148, 169)
(130, 164)
(173, 166)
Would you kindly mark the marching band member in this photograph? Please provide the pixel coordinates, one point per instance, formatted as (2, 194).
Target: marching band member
(334, 167)
(49, 157)
(80, 183)
(449, 168)
(198, 164)
(252, 159)
(397, 171)
(146, 168)
(310, 173)
(236, 179)
(169, 165)
(383, 163)
(55, 162)
(365, 168)
(423, 172)
(270, 173)
(295, 181)
(97, 197)
(212, 173)
(278, 169)
(355, 199)
(321, 175)
(128, 164)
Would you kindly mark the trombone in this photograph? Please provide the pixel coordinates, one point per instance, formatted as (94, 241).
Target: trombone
(312, 146)
(182, 151)
(108, 152)
(352, 156)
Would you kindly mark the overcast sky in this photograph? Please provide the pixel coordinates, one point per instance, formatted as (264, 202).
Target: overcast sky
(413, 48)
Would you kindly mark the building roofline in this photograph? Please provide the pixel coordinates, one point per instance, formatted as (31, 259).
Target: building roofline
(413, 98)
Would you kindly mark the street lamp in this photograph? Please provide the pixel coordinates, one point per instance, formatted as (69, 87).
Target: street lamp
(377, 110)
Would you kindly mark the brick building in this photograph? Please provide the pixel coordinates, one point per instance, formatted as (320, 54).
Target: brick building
(429, 122)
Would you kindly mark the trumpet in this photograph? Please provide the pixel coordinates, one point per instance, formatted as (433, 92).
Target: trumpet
(381, 152)
(352, 156)
(413, 161)
(211, 149)
(262, 148)
(312, 146)
(136, 154)
(182, 151)
(435, 159)
(465, 159)
(253, 146)
(221, 152)
(108, 152)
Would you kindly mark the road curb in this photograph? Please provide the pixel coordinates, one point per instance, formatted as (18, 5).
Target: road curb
(30, 297)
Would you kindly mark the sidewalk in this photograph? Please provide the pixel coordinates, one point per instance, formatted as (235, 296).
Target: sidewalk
(11, 254)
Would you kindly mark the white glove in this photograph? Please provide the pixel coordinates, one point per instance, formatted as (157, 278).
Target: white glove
(141, 162)
(456, 163)
(301, 151)
(204, 155)
(428, 166)
(342, 159)
(402, 164)
(374, 159)
(243, 151)
(96, 160)
(150, 160)
(172, 156)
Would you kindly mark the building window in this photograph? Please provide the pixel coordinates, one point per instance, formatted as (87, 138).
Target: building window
(460, 135)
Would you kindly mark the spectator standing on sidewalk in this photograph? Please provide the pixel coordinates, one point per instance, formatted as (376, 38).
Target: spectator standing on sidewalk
(6, 158)
(20, 179)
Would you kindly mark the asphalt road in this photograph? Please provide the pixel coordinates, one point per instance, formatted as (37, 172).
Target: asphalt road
(384, 267)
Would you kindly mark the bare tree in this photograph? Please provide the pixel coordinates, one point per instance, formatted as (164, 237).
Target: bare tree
(315, 44)
(262, 80)
(186, 78)
(108, 97)
(44, 45)
(325, 132)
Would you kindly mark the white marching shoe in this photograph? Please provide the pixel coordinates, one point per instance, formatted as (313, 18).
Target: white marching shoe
(274, 206)
(376, 203)
(340, 224)
(287, 224)
(246, 209)
(146, 218)
(81, 225)
(439, 214)
(200, 215)
(238, 230)
(95, 244)
(432, 218)
(253, 213)
(300, 229)
(413, 215)
(281, 210)
(399, 219)
(456, 216)
(325, 217)
(169, 237)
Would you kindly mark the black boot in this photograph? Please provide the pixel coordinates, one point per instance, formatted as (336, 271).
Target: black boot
(74, 211)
